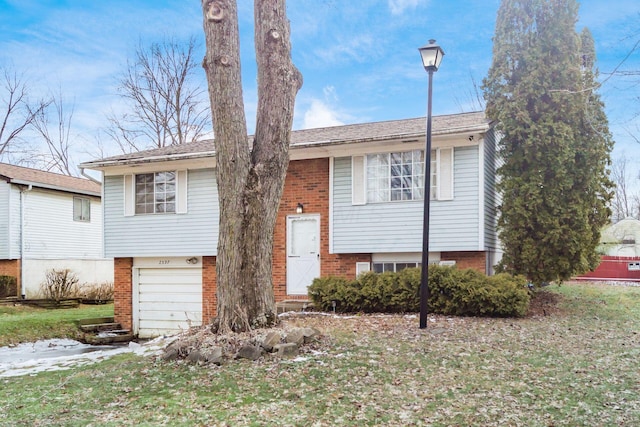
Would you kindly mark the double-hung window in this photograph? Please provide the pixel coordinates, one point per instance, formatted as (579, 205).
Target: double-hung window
(81, 209)
(155, 193)
(399, 176)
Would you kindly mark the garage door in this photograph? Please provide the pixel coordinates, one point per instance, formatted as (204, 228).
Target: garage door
(169, 300)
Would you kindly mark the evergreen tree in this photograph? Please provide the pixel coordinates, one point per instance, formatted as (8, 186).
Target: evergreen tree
(555, 142)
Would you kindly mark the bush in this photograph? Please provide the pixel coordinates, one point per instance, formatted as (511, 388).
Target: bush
(453, 292)
(98, 291)
(8, 286)
(59, 285)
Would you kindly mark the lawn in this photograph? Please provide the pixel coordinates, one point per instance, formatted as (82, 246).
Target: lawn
(22, 323)
(573, 363)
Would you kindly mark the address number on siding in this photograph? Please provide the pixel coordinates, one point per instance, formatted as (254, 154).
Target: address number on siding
(164, 261)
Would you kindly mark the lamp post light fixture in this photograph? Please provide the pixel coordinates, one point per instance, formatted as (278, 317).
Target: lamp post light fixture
(431, 57)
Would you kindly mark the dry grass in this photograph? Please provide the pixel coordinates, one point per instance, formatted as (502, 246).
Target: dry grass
(574, 361)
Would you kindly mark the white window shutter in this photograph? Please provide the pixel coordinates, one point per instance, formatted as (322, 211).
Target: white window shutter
(446, 174)
(181, 192)
(358, 190)
(129, 195)
(362, 267)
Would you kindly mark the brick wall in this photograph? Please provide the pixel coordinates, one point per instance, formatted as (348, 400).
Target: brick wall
(209, 300)
(308, 183)
(11, 267)
(469, 259)
(123, 292)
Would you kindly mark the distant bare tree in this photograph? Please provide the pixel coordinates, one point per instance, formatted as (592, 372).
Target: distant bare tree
(167, 105)
(16, 114)
(53, 125)
(626, 201)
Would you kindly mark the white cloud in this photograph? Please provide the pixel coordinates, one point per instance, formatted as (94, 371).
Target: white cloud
(320, 115)
(397, 7)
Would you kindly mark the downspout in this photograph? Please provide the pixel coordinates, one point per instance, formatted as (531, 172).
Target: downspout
(23, 198)
(89, 177)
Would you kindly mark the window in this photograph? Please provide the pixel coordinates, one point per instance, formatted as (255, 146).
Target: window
(81, 209)
(155, 193)
(381, 267)
(396, 176)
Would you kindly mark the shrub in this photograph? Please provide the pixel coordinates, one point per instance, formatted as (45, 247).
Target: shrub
(98, 291)
(8, 286)
(60, 284)
(453, 292)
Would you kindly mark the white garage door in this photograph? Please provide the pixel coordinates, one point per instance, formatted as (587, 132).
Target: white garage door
(169, 300)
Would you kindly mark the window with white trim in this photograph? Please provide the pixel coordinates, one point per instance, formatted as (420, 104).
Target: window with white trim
(81, 209)
(381, 267)
(155, 193)
(399, 176)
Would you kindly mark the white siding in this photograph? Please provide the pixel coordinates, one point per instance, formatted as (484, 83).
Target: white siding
(4, 220)
(51, 232)
(192, 233)
(15, 250)
(397, 226)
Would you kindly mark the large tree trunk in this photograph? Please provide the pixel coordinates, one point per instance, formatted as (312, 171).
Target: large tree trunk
(250, 177)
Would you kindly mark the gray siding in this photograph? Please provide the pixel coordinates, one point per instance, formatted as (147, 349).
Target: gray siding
(4, 220)
(397, 226)
(51, 232)
(491, 198)
(193, 233)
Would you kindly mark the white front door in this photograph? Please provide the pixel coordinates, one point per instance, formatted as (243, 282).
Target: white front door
(303, 252)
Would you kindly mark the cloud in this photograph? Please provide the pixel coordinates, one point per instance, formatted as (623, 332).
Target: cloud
(320, 115)
(398, 7)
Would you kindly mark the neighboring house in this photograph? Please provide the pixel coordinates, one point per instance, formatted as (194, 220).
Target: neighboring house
(352, 202)
(50, 221)
(620, 249)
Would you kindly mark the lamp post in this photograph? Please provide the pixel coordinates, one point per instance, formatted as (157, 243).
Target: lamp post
(431, 57)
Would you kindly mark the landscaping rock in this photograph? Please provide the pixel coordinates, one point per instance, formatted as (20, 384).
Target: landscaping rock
(296, 337)
(214, 355)
(196, 356)
(286, 349)
(251, 352)
(310, 334)
(271, 340)
(171, 353)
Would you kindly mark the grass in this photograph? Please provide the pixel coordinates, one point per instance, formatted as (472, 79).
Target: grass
(25, 324)
(576, 366)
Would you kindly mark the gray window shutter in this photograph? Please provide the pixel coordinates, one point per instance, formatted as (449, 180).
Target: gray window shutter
(446, 174)
(129, 195)
(358, 176)
(181, 192)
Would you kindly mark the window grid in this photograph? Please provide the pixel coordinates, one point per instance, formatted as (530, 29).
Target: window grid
(399, 176)
(381, 267)
(156, 193)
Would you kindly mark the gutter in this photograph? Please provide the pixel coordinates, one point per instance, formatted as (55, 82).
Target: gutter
(89, 177)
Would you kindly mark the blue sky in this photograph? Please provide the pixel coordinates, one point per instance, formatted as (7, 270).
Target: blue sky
(359, 58)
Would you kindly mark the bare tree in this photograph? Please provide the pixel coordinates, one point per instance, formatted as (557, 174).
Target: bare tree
(167, 105)
(626, 201)
(53, 125)
(250, 176)
(16, 114)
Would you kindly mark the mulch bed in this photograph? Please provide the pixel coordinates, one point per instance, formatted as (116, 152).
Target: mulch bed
(544, 303)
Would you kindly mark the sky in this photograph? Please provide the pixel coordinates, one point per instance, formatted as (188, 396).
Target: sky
(359, 59)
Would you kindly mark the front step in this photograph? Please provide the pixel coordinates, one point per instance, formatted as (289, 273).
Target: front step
(104, 330)
(293, 305)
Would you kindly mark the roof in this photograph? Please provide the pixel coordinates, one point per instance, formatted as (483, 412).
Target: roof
(37, 178)
(335, 135)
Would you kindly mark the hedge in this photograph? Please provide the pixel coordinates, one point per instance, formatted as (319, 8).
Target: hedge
(453, 292)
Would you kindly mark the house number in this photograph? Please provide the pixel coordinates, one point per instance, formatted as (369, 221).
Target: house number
(164, 262)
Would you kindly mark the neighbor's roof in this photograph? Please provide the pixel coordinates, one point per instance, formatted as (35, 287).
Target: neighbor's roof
(335, 135)
(37, 178)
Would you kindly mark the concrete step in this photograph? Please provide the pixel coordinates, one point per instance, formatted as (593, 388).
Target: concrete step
(293, 305)
(99, 327)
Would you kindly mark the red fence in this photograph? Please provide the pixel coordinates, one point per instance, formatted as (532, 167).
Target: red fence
(615, 268)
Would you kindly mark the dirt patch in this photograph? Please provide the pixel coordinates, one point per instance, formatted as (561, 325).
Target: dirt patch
(544, 303)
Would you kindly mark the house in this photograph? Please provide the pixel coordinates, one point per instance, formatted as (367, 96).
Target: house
(352, 202)
(50, 221)
(620, 249)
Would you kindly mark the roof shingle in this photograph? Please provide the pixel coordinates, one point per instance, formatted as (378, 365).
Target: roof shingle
(38, 178)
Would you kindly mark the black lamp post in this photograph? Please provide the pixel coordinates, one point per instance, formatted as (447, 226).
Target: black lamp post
(431, 57)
